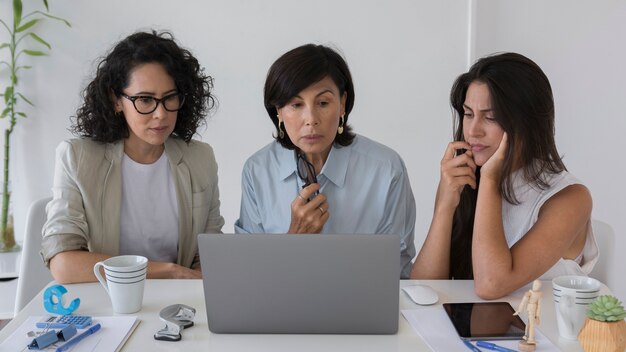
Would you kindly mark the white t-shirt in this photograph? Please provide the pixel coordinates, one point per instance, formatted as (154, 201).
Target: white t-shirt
(149, 213)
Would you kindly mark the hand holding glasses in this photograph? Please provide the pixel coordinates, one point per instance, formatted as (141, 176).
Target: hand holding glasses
(309, 211)
(306, 172)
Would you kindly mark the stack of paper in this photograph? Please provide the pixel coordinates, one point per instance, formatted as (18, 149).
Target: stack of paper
(111, 337)
(435, 328)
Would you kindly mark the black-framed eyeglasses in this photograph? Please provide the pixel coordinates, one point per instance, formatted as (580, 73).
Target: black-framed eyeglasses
(145, 104)
(306, 171)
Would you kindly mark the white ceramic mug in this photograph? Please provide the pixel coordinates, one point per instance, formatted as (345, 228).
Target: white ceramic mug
(125, 279)
(572, 296)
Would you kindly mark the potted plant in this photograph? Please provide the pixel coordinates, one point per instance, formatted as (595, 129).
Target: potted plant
(605, 328)
(20, 32)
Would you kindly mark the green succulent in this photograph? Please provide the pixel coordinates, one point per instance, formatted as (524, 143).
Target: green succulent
(606, 308)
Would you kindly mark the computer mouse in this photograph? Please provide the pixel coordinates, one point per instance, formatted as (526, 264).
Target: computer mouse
(421, 294)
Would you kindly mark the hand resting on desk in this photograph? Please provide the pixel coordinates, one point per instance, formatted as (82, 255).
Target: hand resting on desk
(77, 266)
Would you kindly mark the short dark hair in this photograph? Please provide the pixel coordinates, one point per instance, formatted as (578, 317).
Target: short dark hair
(299, 68)
(523, 105)
(96, 118)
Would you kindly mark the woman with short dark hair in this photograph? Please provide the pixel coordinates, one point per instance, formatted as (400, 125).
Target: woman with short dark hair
(507, 211)
(318, 176)
(135, 182)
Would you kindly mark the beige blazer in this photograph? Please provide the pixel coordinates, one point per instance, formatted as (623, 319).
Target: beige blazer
(84, 213)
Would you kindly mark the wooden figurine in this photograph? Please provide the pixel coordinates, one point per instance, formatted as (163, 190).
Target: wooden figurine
(532, 304)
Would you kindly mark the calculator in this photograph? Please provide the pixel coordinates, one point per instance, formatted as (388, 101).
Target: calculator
(62, 321)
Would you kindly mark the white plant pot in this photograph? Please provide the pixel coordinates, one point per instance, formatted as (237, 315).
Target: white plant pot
(10, 264)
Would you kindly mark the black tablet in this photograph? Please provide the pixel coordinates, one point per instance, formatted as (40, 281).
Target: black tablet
(485, 321)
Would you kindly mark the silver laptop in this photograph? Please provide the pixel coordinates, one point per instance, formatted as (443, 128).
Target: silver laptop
(301, 284)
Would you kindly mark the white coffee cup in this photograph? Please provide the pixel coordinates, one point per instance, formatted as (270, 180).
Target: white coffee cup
(125, 279)
(572, 296)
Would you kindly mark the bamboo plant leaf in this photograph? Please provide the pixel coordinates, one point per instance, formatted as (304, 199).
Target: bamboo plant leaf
(17, 12)
(25, 99)
(45, 2)
(5, 25)
(8, 93)
(4, 45)
(33, 52)
(67, 23)
(5, 112)
(27, 25)
(21, 114)
(40, 40)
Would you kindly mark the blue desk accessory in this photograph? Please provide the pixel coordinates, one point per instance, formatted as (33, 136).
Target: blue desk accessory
(493, 346)
(66, 333)
(61, 321)
(43, 341)
(51, 337)
(470, 346)
(78, 338)
(53, 300)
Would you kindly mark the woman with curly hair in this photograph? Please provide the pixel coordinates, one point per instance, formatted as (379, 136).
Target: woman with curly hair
(135, 182)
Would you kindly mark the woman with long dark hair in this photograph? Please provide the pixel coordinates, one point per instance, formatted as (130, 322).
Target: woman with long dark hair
(507, 211)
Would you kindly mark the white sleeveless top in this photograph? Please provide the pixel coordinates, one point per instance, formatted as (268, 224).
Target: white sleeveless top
(518, 219)
(149, 210)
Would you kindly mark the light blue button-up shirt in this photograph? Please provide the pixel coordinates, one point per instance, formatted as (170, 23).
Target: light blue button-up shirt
(366, 186)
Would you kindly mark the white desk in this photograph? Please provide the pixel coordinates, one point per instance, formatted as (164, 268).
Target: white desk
(160, 293)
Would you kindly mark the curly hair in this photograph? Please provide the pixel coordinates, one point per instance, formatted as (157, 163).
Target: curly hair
(96, 118)
(299, 68)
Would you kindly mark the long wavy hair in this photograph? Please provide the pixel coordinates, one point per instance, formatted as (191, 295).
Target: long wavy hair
(96, 117)
(523, 106)
(299, 68)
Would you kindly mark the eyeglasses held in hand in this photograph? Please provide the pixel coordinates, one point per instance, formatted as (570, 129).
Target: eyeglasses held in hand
(145, 104)
(306, 171)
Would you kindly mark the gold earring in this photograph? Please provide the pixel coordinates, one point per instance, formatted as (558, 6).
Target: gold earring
(340, 128)
(281, 133)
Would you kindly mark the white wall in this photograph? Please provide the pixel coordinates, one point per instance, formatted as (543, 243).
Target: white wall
(404, 56)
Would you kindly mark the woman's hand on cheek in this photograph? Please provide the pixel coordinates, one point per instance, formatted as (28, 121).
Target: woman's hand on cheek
(492, 169)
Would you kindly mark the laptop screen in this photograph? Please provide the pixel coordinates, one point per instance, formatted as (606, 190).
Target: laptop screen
(277, 283)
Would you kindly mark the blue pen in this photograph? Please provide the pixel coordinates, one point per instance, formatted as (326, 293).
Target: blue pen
(493, 346)
(470, 346)
(78, 338)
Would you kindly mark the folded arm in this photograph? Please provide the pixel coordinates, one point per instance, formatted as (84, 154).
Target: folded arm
(77, 266)
(560, 232)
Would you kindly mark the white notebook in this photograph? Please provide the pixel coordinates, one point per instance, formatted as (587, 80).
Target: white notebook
(111, 337)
